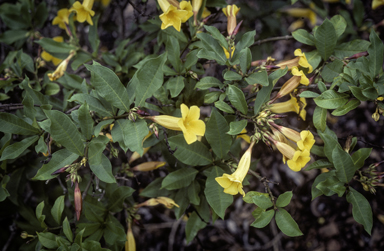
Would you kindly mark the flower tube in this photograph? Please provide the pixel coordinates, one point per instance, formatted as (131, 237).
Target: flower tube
(60, 70)
(232, 184)
(300, 60)
(291, 105)
(230, 12)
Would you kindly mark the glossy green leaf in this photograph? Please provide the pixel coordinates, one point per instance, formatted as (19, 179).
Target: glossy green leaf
(232, 76)
(108, 86)
(245, 59)
(217, 199)
(39, 214)
(117, 198)
(248, 198)
(67, 229)
(331, 99)
(55, 48)
(208, 82)
(59, 159)
(103, 170)
(246, 40)
(350, 48)
(264, 219)
(343, 164)
(195, 154)
(58, 208)
(236, 127)
(194, 224)
(303, 37)
(12, 124)
(175, 85)
(360, 156)
(284, 199)
(320, 118)
(14, 150)
(48, 240)
(339, 24)
(325, 39)
(260, 77)
(309, 94)
(193, 192)
(361, 210)
(86, 121)
(286, 223)
(173, 52)
(211, 49)
(262, 201)
(93, 103)
(331, 186)
(221, 105)
(179, 178)
(64, 132)
(216, 136)
(216, 34)
(376, 54)
(351, 105)
(321, 177)
(332, 70)
(358, 93)
(319, 164)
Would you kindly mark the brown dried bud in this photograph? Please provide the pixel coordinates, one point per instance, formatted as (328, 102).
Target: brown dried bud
(61, 170)
(78, 201)
(358, 55)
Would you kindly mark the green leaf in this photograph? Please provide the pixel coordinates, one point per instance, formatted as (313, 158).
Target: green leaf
(325, 39)
(370, 93)
(264, 219)
(154, 189)
(246, 40)
(134, 133)
(284, 199)
(318, 164)
(173, 48)
(237, 99)
(80, 59)
(303, 37)
(108, 86)
(86, 121)
(211, 49)
(361, 210)
(313, 58)
(182, 200)
(48, 240)
(11, 36)
(245, 59)
(208, 82)
(211, 97)
(175, 85)
(232, 76)
(339, 24)
(191, 59)
(217, 199)
(193, 193)
(12, 124)
(59, 159)
(67, 230)
(117, 198)
(260, 77)
(358, 93)
(350, 48)
(376, 54)
(330, 186)
(216, 135)
(237, 126)
(352, 104)
(150, 77)
(321, 177)
(179, 178)
(195, 154)
(51, 89)
(262, 201)
(360, 156)
(39, 214)
(93, 35)
(14, 150)
(320, 118)
(194, 224)
(64, 131)
(309, 94)
(58, 208)
(93, 103)
(248, 198)
(332, 70)
(57, 49)
(215, 33)
(343, 164)
(286, 223)
(221, 105)
(329, 144)
(331, 99)
(103, 170)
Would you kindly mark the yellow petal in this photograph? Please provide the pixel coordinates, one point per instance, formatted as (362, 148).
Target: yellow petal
(232, 189)
(184, 111)
(189, 137)
(194, 113)
(46, 56)
(197, 127)
(224, 181)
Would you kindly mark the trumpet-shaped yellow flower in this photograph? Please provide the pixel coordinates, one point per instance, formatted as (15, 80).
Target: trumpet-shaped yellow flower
(291, 105)
(303, 79)
(303, 13)
(48, 57)
(189, 123)
(59, 72)
(149, 166)
(231, 11)
(377, 3)
(233, 48)
(297, 159)
(130, 244)
(83, 11)
(304, 139)
(62, 18)
(303, 62)
(175, 13)
(232, 184)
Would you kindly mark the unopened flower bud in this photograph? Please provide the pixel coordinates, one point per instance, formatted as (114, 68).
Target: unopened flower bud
(24, 235)
(78, 201)
(60, 170)
(358, 55)
(149, 166)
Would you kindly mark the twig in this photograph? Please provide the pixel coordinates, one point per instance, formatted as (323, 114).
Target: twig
(271, 39)
(171, 238)
(13, 233)
(72, 109)
(62, 185)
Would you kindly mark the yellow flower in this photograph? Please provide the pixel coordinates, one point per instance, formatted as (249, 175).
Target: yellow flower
(231, 11)
(130, 244)
(169, 203)
(287, 87)
(291, 105)
(243, 134)
(189, 123)
(48, 57)
(62, 18)
(303, 13)
(377, 3)
(232, 184)
(227, 53)
(196, 4)
(297, 158)
(296, 25)
(206, 13)
(83, 11)
(174, 15)
(59, 72)
(303, 79)
(376, 115)
(149, 166)
(303, 62)
(304, 139)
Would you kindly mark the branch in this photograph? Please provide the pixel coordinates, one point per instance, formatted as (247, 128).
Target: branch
(271, 40)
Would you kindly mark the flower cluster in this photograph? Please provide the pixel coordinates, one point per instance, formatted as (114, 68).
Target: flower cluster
(174, 13)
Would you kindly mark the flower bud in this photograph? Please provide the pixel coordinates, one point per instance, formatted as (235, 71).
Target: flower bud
(60, 170)
(231, 11)
(130, 244)
(24, 235)
(149, 166)
(78, 201)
